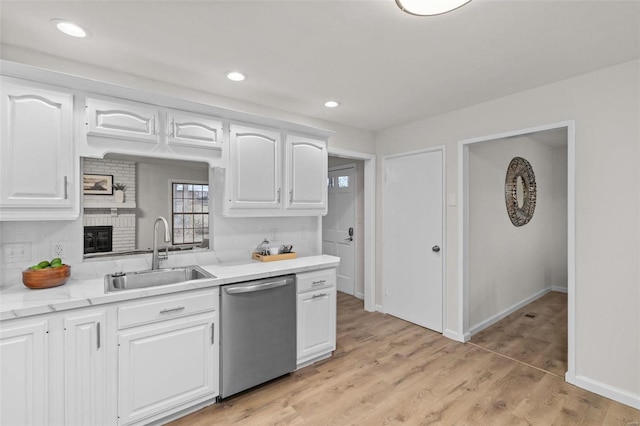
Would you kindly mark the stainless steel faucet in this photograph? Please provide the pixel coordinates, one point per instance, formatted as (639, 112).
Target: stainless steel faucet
(155, 260)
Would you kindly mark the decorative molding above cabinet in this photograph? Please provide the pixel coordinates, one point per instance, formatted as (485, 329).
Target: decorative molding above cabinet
(126, 127)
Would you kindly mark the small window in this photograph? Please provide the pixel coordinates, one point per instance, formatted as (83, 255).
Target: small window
(343, 181)
(190, 212)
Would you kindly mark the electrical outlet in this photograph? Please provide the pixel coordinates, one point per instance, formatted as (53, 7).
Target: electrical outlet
(57, 249)
(274, 234)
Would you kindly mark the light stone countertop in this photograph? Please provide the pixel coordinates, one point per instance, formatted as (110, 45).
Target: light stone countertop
(18, 301)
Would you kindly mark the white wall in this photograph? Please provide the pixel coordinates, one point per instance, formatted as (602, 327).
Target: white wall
(509, 264)
(154, 194)
(606, 108)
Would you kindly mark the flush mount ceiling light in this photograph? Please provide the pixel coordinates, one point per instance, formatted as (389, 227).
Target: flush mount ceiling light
(70, 28)
(429, 7)
(236, 76)
(331, 104)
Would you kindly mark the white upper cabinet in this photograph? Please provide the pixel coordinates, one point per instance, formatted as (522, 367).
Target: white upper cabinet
(194, 130)
(254, 168)
(37, 154)
(127, 127)
(306, 175)
(265, 179)
(124, 120)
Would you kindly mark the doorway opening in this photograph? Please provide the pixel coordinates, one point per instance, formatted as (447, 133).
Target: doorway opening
(512, 277)
(342, 227)
(363, 233)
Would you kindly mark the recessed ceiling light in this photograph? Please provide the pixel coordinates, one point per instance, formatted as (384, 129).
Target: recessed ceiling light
(331, 104)
(70, 28)
(236, 76)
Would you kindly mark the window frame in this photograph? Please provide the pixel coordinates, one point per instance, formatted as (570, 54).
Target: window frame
(206, 215)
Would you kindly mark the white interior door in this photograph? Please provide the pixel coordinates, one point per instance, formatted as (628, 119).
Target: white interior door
(337, 240)
(412, 238)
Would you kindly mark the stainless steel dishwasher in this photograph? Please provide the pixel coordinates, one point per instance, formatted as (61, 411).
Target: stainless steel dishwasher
(257, 332)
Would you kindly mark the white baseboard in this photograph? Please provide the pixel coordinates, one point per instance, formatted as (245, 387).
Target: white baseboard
(379, 309)
(608, 391)
(359, 295)
(559, 289)
(454, 335)
(500, 315)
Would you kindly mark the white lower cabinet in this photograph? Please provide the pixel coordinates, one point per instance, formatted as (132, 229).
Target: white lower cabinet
(169, 364)
(24, 375)
(55, 369)
(316, 330)
(85, 368)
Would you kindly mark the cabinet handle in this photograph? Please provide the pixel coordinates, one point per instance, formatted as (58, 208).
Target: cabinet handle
(66, 189)
(153, 126)
(98, 338)
(317, 296)
(319, 282)
(290, 196)
(172, 133)
(167, 311)
(213, 324)
(278, 195)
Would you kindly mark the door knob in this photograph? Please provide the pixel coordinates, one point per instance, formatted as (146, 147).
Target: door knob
(350, 238)
(435, 248)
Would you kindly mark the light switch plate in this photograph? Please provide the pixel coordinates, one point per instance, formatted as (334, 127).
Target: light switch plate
(16, 253)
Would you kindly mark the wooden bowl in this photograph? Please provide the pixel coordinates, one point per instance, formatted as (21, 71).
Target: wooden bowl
(46, 278)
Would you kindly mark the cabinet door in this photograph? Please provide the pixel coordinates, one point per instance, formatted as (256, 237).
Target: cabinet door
(133, 121)
(254, 169)
(164, 366)
(23, 380)
(316, 323)
(307, 161)
(194, 130)
(36, 154)
(85, 368)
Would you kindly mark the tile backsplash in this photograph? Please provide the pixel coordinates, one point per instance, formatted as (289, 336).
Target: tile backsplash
(233, 240)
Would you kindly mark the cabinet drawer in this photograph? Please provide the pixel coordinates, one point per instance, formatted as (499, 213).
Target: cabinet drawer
(166, 307)
(315, 280)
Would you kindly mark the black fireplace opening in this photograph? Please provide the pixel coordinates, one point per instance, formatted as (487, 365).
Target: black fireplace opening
(98, 239)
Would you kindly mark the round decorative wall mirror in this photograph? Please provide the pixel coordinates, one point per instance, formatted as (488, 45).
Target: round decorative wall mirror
(520, 191)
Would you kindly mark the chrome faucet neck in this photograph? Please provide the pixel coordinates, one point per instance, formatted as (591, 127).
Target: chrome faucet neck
(155, 259)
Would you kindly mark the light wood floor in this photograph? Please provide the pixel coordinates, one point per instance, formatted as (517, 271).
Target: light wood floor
(387, 371)
(540, 341)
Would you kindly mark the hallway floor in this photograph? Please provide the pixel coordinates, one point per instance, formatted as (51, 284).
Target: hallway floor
(535, 334)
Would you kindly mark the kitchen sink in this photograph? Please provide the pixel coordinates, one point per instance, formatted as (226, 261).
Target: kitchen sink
(154, 278)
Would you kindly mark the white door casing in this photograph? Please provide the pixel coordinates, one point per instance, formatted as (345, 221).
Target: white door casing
(341, 217)
(462, 333)
(413, 237)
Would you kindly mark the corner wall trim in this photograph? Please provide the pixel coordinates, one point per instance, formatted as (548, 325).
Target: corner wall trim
(453, 335)
(595, 386)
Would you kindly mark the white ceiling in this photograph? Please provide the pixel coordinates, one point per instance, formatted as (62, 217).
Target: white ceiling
(384, 66)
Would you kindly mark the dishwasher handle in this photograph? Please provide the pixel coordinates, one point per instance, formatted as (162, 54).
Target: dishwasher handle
(250, 288)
